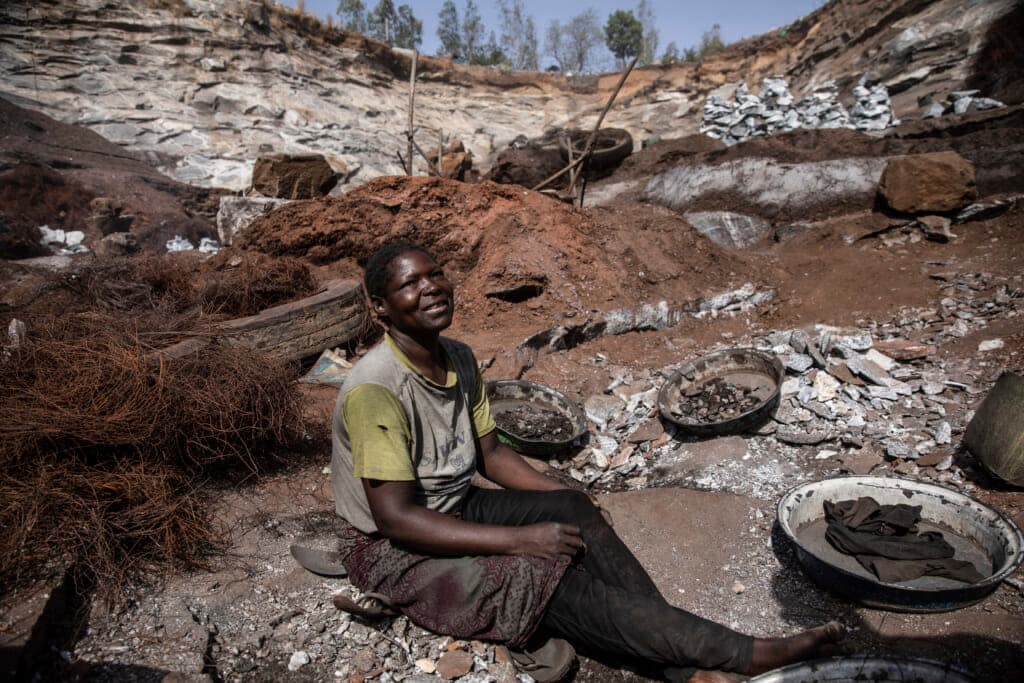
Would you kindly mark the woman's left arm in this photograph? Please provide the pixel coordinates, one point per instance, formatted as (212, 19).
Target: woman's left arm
(504, 466)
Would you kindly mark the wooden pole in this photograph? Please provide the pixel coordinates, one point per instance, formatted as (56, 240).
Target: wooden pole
(412, 109)
(440, 150)
(430, 164)
(593, 136)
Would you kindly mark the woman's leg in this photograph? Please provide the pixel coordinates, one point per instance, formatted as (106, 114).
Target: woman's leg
(606, 557)
(612, 621)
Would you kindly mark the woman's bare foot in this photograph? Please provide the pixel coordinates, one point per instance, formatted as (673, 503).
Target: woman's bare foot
(771, 653)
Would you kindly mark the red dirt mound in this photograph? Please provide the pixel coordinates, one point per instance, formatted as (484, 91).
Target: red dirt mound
(521, 260)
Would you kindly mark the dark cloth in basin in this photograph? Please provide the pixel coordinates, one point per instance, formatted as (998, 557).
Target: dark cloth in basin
(885, 540)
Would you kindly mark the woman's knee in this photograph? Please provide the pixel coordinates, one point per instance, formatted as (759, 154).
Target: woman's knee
(577, 506)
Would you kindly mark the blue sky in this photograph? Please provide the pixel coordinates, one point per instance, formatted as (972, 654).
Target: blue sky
(682, 21)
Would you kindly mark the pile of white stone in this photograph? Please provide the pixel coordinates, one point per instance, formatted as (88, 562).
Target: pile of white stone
(961, 102)
(775, 110)
(180, 243)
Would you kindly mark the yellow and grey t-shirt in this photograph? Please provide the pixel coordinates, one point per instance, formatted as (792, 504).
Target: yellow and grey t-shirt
(394, 424)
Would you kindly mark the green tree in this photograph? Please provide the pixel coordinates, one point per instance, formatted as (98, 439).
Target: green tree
(581, 36)
(408, 29)
(553, 44)
(490, 54)
(472, 34)
(380, 21)
(671, 54)
(397, 26)
(448, 31)
(690, 54)
(710, 42)
(518, 35)
(624, 35)
(352, 15)
(649, 45)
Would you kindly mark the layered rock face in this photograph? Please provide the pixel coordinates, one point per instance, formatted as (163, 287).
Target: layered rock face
(203, 87)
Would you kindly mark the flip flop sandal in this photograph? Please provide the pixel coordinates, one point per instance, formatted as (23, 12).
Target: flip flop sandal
(372, 606)
(549, 663)
(321, 562)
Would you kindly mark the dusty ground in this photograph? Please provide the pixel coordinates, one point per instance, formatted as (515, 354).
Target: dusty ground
(525, 263)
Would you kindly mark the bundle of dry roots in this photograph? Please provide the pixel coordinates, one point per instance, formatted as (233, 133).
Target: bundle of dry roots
(108, 449)
(229, 284)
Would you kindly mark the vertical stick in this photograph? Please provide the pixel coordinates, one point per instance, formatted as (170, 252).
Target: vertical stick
(440, 150)
(412, 108)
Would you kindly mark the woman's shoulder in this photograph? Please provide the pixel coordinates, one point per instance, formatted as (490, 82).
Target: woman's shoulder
(375, 367)
(457, 349)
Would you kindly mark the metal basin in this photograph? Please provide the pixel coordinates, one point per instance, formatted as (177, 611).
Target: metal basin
(857, 669)
(979, 534)
(761, 372)
(506, 395)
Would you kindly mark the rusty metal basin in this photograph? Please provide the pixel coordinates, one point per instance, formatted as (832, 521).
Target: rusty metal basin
(979, 534)
(860, 668)
(508, 394)
(758, 371)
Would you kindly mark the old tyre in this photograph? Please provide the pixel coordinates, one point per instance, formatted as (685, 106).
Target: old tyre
(610, 148)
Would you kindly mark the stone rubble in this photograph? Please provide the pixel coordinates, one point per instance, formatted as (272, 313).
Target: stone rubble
(63, 242)
(777, 111)
(961, 102)
(867, 398)
(179, 243)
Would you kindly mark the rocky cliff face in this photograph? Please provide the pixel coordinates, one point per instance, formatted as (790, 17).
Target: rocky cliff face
(203, 87)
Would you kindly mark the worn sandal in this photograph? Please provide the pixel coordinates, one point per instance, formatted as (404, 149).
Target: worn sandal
(549, 663)
(372, 606)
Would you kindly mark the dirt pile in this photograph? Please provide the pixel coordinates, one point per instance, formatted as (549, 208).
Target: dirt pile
(50, 171)
(520, 259)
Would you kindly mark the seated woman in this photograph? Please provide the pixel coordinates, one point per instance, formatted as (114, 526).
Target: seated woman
(411, 427)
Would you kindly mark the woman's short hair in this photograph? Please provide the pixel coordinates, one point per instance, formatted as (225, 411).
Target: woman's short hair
(378, 266)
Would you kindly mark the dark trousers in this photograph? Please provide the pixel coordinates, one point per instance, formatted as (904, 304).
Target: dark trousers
(606, 602)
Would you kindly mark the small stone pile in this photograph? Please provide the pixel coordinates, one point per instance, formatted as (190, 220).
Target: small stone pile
(873, 108)
(776, 110)
(961, 102)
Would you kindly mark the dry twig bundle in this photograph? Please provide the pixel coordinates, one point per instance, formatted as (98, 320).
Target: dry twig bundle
(104, 445)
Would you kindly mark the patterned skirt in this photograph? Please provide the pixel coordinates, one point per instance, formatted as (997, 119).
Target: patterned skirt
(483, 597)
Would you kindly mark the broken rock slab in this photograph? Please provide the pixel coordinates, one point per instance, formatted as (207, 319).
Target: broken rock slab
(938, 182)
(728, 229)
(293, 176)
(235, 214)
(935, 228)
(772, 188)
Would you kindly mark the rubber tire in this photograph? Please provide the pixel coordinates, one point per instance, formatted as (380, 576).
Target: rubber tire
(611, 147)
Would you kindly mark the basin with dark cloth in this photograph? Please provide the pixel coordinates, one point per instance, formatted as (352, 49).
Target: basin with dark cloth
(979, 534)
(857, 668)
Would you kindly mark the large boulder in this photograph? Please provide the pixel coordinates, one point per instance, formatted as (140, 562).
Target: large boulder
(293, 176)
(769, 188)
(527, 166)
(928, 183)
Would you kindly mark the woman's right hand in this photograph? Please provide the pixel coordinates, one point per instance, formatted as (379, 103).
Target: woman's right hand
(548, 540)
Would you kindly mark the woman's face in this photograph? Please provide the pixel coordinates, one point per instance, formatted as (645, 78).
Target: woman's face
(418, 297)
